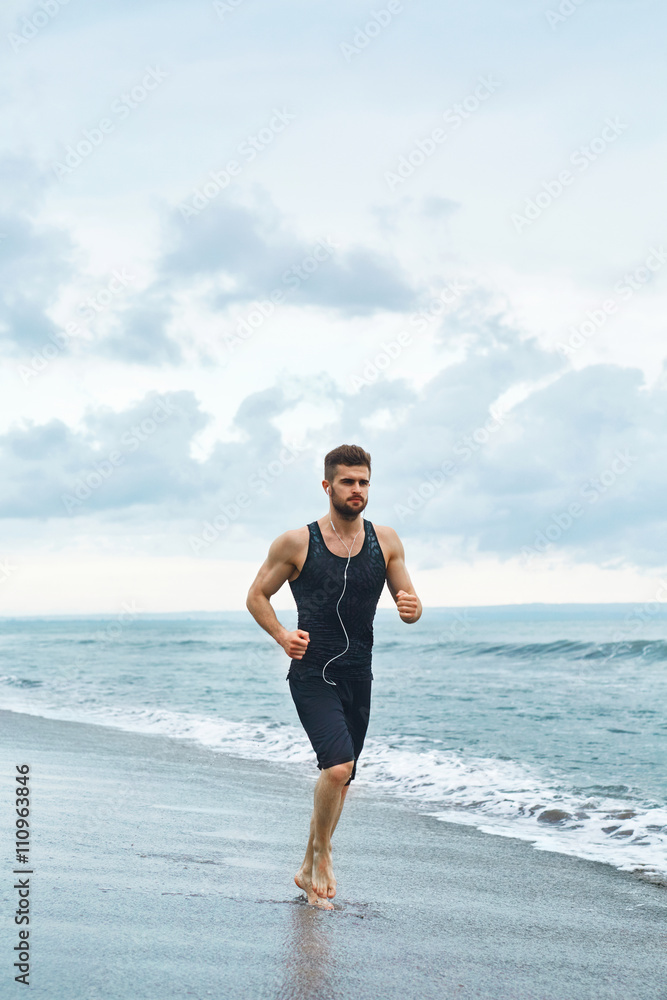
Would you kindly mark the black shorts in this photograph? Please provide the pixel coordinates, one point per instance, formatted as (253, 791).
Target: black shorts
(335, 718)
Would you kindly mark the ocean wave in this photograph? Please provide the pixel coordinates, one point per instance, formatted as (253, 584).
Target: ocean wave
(647, 649)
(20, 682)
(105, 637)
(505, 797)
(497, 795)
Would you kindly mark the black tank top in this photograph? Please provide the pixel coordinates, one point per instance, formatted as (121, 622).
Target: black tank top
(316, 591)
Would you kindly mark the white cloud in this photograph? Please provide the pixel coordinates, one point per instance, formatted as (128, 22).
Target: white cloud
(198, 284)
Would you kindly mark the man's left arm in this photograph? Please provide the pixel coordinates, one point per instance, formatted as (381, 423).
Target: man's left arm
(399, 582)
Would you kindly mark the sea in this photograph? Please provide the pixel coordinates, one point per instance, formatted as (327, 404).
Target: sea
(541, 722)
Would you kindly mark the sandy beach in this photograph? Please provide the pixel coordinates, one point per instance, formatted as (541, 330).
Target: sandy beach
(164, 870)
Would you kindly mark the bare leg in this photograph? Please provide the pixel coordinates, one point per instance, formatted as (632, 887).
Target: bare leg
(343, 793)
(328, 791)
(316, 876)
(307, 864)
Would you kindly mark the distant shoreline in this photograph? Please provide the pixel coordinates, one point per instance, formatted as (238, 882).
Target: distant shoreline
(550, 611)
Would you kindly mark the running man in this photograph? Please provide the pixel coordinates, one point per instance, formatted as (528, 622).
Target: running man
(336, 568)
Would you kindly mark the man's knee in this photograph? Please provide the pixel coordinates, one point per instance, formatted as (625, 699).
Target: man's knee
(341, 773)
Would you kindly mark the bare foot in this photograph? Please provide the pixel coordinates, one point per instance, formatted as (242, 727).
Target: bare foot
(304, 882)
(324, 882)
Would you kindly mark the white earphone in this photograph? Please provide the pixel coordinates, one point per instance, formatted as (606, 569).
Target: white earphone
(349, 556)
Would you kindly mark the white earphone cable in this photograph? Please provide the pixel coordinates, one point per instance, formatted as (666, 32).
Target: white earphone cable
(349, 556)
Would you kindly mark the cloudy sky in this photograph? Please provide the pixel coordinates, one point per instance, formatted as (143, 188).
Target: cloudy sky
(237, 234)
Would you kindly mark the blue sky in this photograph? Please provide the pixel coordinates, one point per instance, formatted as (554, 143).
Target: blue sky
(235, 235)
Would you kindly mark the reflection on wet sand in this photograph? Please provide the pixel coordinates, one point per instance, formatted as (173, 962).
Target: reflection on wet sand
(308, 969)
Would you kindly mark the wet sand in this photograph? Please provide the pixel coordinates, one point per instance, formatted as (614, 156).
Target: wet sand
(164, 870)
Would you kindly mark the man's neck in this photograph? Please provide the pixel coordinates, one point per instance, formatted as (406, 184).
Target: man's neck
(347, 528)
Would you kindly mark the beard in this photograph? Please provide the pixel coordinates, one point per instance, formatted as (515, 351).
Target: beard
(348, 511)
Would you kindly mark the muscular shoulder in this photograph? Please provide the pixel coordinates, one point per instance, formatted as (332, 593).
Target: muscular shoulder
(289, 544)
(388, 538)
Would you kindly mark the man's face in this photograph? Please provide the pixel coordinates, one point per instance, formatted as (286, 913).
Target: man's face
(349, 490)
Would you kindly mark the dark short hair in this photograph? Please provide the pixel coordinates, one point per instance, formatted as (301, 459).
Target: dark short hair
(345, 454)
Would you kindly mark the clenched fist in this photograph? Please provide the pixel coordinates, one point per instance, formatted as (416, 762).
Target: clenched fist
(295, 643)
(407, 605)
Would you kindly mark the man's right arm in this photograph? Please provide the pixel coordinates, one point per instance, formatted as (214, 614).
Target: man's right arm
(274, 571)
